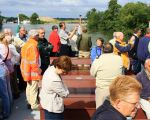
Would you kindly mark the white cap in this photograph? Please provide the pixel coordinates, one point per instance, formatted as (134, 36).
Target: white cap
(33, 33)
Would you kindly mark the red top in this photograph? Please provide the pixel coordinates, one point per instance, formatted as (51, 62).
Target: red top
(54, 39)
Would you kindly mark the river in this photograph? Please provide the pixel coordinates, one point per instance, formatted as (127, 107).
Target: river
(47, 27)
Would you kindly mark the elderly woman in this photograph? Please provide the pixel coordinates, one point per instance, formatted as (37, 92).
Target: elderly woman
(5, 90)
(53, 89)
(15, 58)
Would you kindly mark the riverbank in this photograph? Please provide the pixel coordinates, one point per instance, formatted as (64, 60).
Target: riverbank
(48, 26)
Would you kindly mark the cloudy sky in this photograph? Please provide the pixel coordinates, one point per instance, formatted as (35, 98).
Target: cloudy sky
(55, 8)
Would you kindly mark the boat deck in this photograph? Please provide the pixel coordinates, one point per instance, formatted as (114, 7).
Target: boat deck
(20, 111)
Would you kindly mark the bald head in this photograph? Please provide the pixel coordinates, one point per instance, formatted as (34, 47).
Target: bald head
(119, 35)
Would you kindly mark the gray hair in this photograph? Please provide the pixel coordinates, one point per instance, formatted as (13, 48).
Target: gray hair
(114, 34)
(118, 34)
(7, 31)
(33, 32)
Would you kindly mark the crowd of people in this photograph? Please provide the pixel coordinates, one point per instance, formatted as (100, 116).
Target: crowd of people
(25, 64)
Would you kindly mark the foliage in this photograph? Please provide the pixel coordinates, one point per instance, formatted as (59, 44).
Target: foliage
(134, 15)
(11, 19)
(23, 17)
(93, 19)
(34, 19)
(117, 18)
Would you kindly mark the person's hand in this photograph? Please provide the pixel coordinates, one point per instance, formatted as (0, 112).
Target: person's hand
(40, 70)
(76, 28)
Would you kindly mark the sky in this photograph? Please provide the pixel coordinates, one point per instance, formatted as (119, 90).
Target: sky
(55, 8)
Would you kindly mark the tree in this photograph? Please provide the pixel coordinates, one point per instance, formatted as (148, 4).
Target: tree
(93, 19)
(34, 19)
(117, 18)
(23, 17)
(134, 15)
(111, 16)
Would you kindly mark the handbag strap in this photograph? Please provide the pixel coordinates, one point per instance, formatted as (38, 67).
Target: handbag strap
(6, 55)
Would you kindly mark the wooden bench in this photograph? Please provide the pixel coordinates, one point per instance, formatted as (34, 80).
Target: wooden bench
(79, 101)
(80, 104)
(76, 60)
(79, 72)
(77, 63)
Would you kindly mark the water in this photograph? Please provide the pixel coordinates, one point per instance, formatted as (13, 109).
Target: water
(48, 29)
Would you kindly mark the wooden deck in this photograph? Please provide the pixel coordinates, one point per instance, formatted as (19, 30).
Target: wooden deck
(80, 104)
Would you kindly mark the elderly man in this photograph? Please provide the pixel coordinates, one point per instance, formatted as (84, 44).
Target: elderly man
(144, 78)
(45, 49)
(30, 68)
(107, 67)
(17, 42)
(122, 49)
(123, 102)
(22, 34)
(65, 48)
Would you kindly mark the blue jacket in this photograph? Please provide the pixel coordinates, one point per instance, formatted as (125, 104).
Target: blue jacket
(107, 112)
(142, 51)
(95, 53)
(144, 80)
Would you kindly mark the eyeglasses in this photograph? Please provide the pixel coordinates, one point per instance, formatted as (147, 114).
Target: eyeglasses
(136, 104)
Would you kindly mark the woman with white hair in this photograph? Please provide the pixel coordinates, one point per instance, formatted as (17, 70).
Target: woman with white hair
(5, 90)
(15, 59)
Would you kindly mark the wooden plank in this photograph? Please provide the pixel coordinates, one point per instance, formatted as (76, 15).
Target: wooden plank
(76, 60)
(79, 72)
(77, 77)
(81, 61)
(80, 101)
(73, 83)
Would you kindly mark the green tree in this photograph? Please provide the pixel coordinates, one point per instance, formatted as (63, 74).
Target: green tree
(93, 19)
(23, 17)
(134, 15)
(34, 19)
(117, 18)
(110, 16)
